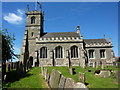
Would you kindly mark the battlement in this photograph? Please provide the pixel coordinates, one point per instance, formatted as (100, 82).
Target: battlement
(58, 39)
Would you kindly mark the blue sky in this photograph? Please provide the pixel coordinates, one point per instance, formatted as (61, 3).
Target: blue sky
(95, 19)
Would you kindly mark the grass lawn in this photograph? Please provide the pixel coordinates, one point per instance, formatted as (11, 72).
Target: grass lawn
(92, 80)
(33, 79)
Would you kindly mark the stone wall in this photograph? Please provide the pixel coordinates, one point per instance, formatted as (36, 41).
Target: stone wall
(57, 80)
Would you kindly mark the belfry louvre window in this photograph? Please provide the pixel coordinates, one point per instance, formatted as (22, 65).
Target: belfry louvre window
(91, 53)
(43, 52)
(58, 52)
(32, 34)
(102, 53)
(74, 52)
(32, 20)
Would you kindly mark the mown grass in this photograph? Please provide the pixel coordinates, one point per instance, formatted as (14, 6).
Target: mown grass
(33, 79)
(92, 80)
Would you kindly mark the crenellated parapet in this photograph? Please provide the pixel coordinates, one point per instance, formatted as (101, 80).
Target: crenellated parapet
(59, 39)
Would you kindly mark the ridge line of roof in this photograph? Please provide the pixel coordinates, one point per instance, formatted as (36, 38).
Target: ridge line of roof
(59, 32)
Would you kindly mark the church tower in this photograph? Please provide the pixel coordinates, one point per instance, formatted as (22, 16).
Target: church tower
(33, 30)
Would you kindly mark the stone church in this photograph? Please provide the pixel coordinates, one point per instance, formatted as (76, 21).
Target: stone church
(61, 48)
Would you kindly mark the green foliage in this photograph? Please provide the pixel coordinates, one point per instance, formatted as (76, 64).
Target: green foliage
(7, 45)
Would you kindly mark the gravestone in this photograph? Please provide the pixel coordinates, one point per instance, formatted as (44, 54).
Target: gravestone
(81, 77)
(21, 68)
(54, 79)
(46, 71)
(93, 64)
(104, 73)
(62, 82)
(12, 66)
(69, 83)
(17, 66)
(8, 67)
(48, 78)
(96, 66)
(80, 85)
(103, 64)
(42, 70)
(71, 70)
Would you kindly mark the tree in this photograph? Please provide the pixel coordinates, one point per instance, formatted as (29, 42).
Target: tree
(7, 46)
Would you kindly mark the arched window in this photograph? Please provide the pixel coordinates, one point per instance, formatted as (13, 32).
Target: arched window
(58, 52)
(32, 20)
(74, 52)
(43, 52)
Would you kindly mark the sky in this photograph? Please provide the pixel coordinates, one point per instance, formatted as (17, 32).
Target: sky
(96, 19)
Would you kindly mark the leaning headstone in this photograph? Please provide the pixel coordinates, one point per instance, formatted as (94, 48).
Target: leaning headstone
(81, 77)
(71, 70)
(62, 82)
(69, 83)
(8, 67)
(80, 85)
(54, 79)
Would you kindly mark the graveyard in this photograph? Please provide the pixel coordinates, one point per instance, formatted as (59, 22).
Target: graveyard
(37, 77)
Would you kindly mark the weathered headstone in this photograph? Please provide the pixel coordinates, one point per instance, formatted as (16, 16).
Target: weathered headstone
(96, 66)
(71, 70)
(17, 66)
(42, 70)
(103, 64)
(21, 68)
(80, 85)
(81, 77)
(69, 83)
(12, 66)
(46, 71)
(62, 82)
(48, 78)
(8, 67)
(104, 73)
(54, 79)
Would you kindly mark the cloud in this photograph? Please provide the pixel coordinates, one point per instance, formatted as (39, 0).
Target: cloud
(14, 18)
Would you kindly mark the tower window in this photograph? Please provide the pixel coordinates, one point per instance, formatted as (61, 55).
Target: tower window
(43, 52)
(74, 52)
(58, 51)
(102, 53)
(32, 34)
(32, 20)
(91, 53)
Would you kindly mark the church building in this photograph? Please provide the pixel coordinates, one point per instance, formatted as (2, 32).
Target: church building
(61, 48)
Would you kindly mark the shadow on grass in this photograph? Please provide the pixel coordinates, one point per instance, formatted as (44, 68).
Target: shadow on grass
(13, 76)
